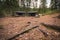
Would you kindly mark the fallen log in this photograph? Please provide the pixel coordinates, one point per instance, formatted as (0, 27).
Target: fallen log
(55, 27)
(25, 31)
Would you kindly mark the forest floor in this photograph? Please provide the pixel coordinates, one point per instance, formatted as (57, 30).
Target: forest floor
(12, 26)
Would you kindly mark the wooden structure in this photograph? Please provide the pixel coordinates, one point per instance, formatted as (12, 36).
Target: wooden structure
(32, 13)
(19, 13)
(23, 13)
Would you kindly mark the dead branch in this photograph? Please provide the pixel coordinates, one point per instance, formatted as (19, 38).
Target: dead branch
(25, 31)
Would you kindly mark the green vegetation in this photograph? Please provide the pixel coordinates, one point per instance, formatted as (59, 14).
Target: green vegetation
(7, 7)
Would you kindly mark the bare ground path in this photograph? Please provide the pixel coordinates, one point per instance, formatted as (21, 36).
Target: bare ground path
(14, 25)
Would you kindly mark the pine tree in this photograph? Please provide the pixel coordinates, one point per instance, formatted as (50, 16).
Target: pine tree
(43, 6)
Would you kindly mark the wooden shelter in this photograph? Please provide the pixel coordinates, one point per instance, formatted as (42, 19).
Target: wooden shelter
(23, 13)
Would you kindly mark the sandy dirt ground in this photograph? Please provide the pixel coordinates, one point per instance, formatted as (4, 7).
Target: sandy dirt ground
(14, 25)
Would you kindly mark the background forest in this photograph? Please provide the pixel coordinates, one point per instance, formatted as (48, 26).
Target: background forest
(7, 7)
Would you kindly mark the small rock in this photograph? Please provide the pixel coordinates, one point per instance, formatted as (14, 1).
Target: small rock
(55, 32)
(29, 22)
